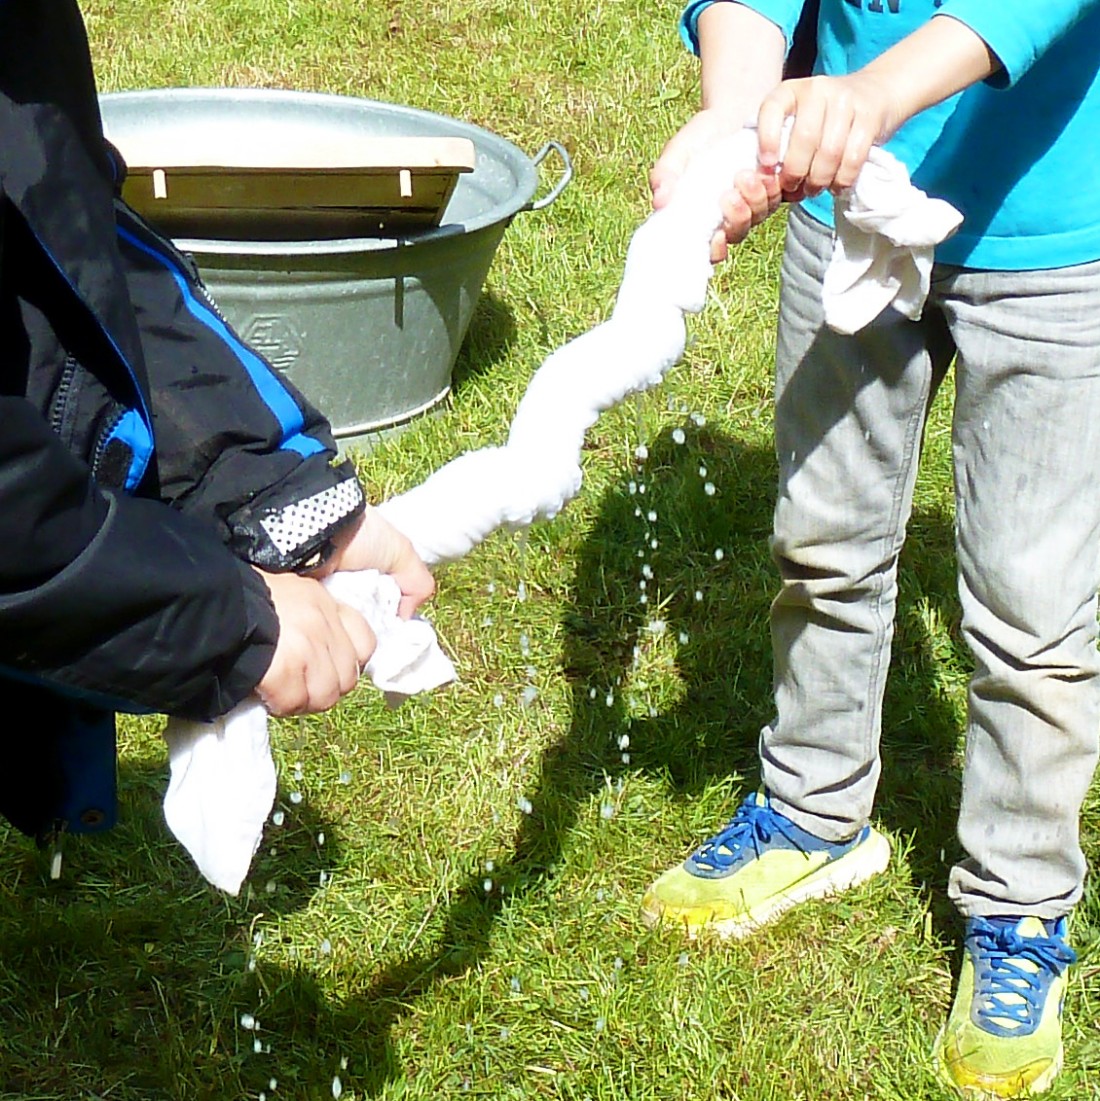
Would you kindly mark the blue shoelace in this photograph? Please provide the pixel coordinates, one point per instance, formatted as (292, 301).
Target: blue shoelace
(753, 825)
(1005, 991)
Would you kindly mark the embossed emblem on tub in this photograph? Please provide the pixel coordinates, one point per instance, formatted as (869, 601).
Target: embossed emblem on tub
(275, 338)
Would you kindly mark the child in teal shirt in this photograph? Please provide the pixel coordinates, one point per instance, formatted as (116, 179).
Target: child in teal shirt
(995, 108)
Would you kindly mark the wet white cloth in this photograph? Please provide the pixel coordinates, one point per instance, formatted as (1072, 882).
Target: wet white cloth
(222, 779)
(886, 234)
(223, 783)
(888, 229)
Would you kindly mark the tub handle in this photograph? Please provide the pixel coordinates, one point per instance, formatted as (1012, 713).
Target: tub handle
(566, 175)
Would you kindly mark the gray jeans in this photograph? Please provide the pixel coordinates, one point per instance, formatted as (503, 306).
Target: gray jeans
(850, 413)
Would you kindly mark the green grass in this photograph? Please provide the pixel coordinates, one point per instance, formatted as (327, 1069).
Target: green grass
(378, 942)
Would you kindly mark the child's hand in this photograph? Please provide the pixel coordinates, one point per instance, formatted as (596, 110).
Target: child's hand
(375, 544)
(836, 121)
(322, 648)
(752, 196)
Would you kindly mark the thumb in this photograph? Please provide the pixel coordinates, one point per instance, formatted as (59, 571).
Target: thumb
(778, 105)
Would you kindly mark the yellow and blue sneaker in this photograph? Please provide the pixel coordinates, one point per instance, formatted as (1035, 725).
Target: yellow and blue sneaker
(1003, 1037)
(756, 868)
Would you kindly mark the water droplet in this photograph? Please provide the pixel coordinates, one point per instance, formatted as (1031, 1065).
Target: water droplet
(592, 693)
(600, 894)
(641, 452)
(524, 804)
(257, 1045)
(698, 420)
(489, 865)
(651, 516)
(488, 886)
(647, 571)
(618, 964)
(632, 488)
(524, 645)
(278, 818)
(251, 963)
(498, 700)
(641, 487)
(337, 1087)
(521, 591)
(609, 699)
(601, 1024)
(719, 554)
(682, 961)
(683, 638)
(626, 758)
(529, 695)
(702, 471)
(698, 596)
(642, 584)
(583, 993)
(345, 777)
(343, 1062)
(624, 741)
(273, 1084)
(297, 772)
(656, 626)
(637, 512)
(322, 879)
(487, 621)
(607, 810)
(270, 886)
(491, 588)
(515, 985)
(248, 1022)
(653, 544)
(321, 838)
(326, 947)
(678, 435)
(261, 1096)
(643, 599)
(708, 489)
(295, 796)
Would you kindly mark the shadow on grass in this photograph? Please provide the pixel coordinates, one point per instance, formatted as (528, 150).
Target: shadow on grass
(708, 735)
(491, 333)
(121, 979)
(73, 959)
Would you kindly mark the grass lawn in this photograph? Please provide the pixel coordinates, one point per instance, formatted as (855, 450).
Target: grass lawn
(449, 906)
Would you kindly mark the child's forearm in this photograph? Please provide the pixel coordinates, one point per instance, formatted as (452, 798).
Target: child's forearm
(742, 59)
(933, 63)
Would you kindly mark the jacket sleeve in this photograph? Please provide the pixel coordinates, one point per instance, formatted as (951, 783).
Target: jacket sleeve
(236, 443)
(118, 600)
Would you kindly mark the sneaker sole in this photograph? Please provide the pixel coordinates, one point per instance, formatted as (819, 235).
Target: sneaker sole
(856, 867)
(976, 1093)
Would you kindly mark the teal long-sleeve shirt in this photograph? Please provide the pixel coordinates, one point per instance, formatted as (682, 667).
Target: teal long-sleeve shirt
(1018, 154)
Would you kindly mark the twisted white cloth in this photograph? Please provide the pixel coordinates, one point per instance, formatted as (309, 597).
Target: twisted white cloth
(886, 235)
(222, 778)
(223, 782)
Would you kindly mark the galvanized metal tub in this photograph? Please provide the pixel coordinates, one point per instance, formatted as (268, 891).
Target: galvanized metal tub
(368, 328)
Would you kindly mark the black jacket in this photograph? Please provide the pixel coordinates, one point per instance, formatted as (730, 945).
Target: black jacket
(145, 453)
